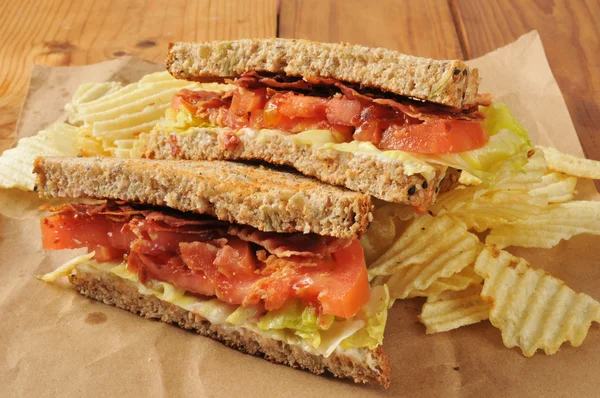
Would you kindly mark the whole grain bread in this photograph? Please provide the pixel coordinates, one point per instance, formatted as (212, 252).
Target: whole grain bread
(266, 199)
(378, 176)
(449, 82)
(369, 366)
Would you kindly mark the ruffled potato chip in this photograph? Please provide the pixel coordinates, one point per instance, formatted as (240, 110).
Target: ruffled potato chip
(454, 309)
(549, 227)
(16, 164)
(532, 309)
(429, 249)
(454, 283)
(571, 165)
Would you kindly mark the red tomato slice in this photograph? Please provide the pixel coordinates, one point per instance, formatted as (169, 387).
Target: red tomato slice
(436, 137)
(245, 101)
(341, 287)
(343, 112)
(350, 290)
(70, 233)
(369, 131)
(300, 106)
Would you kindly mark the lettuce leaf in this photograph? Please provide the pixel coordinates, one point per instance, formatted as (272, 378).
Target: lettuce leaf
(374, 315)
(179, 121)
(301, 319)
(325, 332)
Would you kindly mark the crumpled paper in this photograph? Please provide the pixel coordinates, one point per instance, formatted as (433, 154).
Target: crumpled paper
(57, 343)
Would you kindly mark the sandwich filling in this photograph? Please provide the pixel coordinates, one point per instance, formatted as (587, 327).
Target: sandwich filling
(295, 105)
(329, 115)
(203, 256)
(306, 290)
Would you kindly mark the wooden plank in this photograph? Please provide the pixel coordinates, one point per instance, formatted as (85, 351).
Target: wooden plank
(75, 32)
(423, 28)
(571, 38)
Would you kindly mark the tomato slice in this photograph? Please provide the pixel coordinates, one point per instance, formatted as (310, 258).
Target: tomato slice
(349, 292)
(339, 285)
(435, 137)
(245, 101)
(343, 112)
(369, 131)
(300, 106)
(60, 232)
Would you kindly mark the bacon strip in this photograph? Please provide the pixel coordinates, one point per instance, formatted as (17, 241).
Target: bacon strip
(288, 245)
(416, 109)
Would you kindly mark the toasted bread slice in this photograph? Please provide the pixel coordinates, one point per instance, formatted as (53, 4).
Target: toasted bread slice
(266, 199)
(363, 366)
(450, 83)
(378, 176)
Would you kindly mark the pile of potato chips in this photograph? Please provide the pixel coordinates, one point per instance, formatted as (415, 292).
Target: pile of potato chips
(468, 279)
(453, 255)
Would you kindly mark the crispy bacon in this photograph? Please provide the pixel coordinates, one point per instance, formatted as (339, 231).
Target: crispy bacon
(424, 111)
(288, 245)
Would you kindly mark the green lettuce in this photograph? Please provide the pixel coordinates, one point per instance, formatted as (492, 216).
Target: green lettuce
(499, 117)
(325, 332)
(298, 318)
(374, 315)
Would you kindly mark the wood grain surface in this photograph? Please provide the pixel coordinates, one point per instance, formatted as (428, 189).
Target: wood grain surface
(570, 32)
(76, 32)
(394, 24)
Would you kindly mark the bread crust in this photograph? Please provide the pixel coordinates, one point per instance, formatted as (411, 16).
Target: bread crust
(266, 199)
(380, 177)
(121, 293)
(446, 82)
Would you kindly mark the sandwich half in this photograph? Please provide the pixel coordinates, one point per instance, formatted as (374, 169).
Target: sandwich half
(372, 120)
(267, 262)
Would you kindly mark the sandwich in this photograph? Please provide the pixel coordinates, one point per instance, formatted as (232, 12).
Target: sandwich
(396, 127)
(267, 262)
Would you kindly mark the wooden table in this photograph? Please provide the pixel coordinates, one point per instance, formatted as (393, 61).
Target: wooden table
(77, 32)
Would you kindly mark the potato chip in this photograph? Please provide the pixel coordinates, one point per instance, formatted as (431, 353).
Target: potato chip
(455, 282)
(514, 197)
(571, 165)
(16, 164)
(520, 174)
(89, 92)
(546, 229)
(482, 209)
(429, 249)
(454, 309)
(156, 77)
(532, 309)
(387, 224)
(557, 187)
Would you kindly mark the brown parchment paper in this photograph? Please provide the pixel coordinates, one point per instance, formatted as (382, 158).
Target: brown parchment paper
(57, 343)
